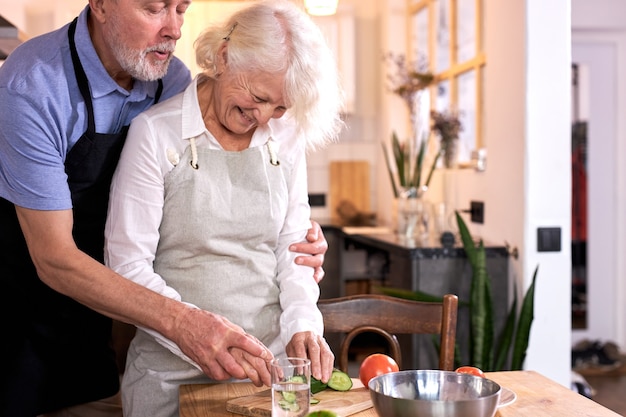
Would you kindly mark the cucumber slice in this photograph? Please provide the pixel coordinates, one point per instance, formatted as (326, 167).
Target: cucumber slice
(340, 381)
(317, 385)
(323, 413)
(289, 406)
(298, 379)
(313, 401)
(289, 396)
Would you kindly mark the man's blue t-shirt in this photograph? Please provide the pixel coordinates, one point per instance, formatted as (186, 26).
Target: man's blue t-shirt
(42, 113)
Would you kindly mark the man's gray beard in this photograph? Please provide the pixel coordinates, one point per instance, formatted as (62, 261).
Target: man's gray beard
(137, 64)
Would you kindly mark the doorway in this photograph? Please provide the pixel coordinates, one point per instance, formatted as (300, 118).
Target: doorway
(596, 63)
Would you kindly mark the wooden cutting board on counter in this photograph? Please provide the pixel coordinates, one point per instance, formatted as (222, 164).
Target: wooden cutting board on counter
(349, 181)
(343, 403)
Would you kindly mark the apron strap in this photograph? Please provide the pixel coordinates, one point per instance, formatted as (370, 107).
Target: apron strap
(83, 82)
(81, 77)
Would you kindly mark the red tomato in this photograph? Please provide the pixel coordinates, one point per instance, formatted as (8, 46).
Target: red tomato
(472, 370)
(376, 364)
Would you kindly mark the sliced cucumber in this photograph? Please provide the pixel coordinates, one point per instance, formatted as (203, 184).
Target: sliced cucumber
(317, 385)
(289, 396)
(313, 401)
(340, 381)
(323, 413)
(288, 405)
(298, 379)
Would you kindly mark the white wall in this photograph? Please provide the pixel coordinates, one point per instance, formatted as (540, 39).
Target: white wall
(35, 17)
(548, 181)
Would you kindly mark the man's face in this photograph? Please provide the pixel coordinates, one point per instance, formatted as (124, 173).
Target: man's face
(142, 35)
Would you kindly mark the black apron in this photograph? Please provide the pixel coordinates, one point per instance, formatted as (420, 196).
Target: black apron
(59, 351)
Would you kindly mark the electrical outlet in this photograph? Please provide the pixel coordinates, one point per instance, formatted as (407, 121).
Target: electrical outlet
(477, 212)
(317, 200)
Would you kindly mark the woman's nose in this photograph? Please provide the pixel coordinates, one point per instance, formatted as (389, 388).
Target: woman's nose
(265, 113)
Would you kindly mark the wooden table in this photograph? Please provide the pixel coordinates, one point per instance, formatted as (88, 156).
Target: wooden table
(537, 396)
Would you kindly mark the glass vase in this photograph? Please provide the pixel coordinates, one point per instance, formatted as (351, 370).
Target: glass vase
(412, 214)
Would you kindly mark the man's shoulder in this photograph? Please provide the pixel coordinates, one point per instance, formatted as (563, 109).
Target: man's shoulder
(177, 78)
(37, 59)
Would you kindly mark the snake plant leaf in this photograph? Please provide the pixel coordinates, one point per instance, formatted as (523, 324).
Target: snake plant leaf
(409, 294)
(466, 238)
(488, 352)
(481, 312)
(413, 295)
(522, 335)
(506, 338)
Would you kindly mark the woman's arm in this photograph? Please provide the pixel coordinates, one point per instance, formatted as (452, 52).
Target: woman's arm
(132, 237)
(301, 321)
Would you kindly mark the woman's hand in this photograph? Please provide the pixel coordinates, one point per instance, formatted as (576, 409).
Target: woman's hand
(316, 246)
(309, 345)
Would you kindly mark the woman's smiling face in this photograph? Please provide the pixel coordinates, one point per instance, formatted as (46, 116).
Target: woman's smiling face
(246, 100)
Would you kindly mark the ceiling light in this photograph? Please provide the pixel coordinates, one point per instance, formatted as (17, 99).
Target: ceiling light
(321, 7)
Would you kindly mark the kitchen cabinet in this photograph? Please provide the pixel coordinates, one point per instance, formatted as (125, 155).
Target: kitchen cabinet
(384, 259)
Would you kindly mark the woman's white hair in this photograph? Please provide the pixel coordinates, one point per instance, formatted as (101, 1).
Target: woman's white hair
(274, 36)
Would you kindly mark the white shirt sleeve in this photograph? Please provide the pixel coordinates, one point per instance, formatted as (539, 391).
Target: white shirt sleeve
(299, 292)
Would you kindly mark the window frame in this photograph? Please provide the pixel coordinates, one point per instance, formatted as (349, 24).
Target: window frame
(455, 69)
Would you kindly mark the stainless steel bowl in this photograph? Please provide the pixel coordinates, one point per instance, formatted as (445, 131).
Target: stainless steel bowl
(430, 393)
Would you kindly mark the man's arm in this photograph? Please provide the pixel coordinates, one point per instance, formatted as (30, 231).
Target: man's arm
(221, 348)
(316, 246)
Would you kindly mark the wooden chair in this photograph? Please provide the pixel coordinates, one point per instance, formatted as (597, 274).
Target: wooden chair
(388, 316)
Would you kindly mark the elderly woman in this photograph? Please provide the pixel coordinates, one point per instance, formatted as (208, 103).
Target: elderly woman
(214, 180)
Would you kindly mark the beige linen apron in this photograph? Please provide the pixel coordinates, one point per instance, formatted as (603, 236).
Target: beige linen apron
(220, 226)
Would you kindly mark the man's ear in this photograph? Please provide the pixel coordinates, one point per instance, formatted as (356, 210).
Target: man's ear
(98, 8)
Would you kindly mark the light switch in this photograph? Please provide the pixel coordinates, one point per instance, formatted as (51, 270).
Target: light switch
(548, 239)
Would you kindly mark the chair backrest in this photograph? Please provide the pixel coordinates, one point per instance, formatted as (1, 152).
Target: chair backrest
(388, 316)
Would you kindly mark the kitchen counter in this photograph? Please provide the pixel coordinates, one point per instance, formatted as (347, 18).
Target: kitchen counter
(536, 396)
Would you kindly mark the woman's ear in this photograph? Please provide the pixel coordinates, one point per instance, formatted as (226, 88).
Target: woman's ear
(222, 58)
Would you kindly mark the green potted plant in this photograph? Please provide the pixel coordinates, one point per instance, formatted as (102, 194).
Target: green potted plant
(487, 352)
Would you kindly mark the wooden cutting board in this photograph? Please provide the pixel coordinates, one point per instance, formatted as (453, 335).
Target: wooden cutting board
(343, 403)
(349, 181)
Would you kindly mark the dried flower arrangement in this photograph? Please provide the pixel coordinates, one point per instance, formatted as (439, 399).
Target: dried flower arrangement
(408, 80)
(447, 126)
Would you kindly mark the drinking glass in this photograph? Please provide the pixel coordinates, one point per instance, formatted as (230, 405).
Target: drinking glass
(291, 387)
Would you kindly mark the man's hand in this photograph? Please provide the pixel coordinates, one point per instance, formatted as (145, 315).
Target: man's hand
(314, 347)
(255, 367)
(316, 246)
(222, 349)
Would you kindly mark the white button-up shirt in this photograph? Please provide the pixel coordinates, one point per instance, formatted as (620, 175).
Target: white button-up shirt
(137, 195)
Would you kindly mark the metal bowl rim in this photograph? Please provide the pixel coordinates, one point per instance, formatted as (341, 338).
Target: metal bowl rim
(432, 371)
